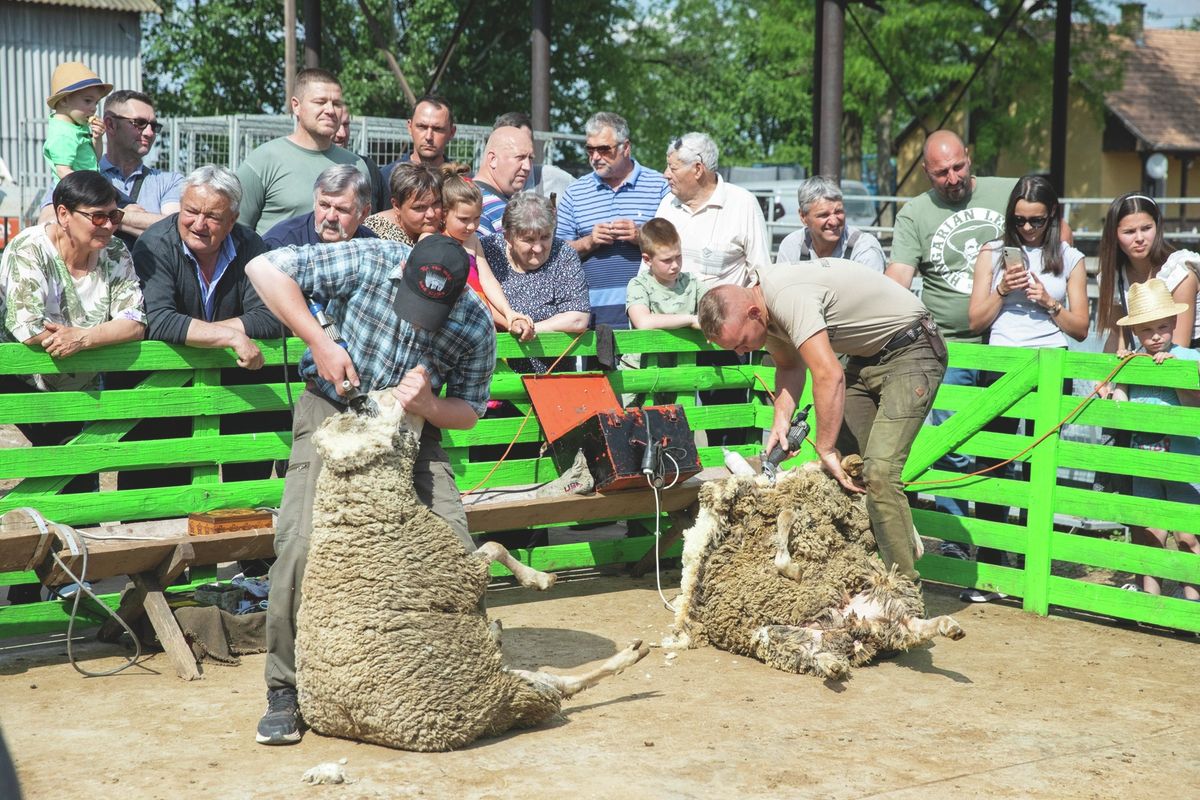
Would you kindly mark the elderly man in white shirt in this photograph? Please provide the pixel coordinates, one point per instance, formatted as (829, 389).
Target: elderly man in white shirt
(721, 226)
(723, 236)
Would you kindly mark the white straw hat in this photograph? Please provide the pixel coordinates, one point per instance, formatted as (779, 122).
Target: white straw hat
(1150, 301)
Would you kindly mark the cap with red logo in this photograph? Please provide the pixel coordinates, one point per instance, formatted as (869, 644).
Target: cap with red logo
(433, 280)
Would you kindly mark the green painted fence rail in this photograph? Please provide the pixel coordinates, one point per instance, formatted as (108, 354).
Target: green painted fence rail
(184, 384)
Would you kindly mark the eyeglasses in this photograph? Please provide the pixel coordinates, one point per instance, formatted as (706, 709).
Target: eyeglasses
(98, 218)
(140, 123)
(1033, 222)
(604, 150)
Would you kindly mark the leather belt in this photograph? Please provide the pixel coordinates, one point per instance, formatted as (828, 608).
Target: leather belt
(905, 337)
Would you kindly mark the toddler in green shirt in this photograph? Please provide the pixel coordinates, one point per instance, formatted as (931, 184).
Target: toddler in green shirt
(74, 134)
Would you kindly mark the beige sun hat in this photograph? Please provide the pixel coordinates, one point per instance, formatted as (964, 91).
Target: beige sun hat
(1150, 301)
(71, 76)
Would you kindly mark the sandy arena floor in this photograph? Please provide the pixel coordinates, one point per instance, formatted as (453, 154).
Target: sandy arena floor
(1023, 707)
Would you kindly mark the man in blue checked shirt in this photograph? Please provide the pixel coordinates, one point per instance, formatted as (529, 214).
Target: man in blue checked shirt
(407, 324)
(600, 215)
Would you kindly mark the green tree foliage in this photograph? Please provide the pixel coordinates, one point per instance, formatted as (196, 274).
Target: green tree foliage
(739, 69)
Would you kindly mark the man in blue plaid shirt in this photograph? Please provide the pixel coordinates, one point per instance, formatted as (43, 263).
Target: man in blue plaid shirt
(407, 323)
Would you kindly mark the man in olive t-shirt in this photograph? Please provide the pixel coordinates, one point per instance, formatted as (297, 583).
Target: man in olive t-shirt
(278, 176)
(939, 234)
(805, 317)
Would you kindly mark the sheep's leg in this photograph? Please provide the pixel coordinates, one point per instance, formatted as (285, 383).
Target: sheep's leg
(926, 629)
(783, 557)
(798, 649)
(894, 629)
(525, 575)
(571, 685)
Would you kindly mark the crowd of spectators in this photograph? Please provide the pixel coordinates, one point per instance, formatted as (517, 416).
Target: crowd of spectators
(124, 251)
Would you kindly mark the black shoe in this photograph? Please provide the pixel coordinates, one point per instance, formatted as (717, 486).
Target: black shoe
(281, 723)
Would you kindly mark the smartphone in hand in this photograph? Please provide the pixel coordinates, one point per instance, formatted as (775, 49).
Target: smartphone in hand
(1013, 258)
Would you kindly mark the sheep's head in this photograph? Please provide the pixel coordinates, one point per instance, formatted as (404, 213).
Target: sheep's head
(348, 441)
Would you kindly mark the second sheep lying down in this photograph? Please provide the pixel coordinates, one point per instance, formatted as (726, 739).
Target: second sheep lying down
(786, 573)
(392, 647)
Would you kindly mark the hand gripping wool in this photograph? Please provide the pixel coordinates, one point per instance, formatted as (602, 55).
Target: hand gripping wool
(786, 573)
(391, 645)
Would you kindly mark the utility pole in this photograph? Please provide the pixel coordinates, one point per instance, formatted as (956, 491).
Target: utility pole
(312, 33)
(1060, 97)
(818, 39)
(540, 58)
(829, 125)
(289, 53)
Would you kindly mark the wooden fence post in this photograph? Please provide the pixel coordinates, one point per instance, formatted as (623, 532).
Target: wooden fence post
(1043, 481)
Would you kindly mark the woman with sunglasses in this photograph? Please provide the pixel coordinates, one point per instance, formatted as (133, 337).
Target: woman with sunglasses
(1133, 250)
(66, 286)
(1035, 297)
(69, 285)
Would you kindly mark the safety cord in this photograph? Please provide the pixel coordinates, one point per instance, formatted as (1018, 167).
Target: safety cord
(524, 421)
(957, 478)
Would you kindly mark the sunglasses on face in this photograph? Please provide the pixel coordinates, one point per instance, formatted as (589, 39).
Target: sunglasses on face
(604, 150)
(1033, 222)
(140, 123)
(98, 218)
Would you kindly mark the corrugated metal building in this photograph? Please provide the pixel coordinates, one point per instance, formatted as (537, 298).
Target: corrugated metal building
(37, 35)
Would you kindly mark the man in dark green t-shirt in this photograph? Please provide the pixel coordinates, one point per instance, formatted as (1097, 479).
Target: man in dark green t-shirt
(939, 234)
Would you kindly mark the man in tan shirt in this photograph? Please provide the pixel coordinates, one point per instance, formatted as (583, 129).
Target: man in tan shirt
(805, 318)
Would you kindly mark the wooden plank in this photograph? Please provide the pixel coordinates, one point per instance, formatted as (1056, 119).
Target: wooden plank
(134, 403)
(206, 426)
(134, 597)
(967, 422)
(31, 462)
(1112, 601)
(17, 359)
(1043, 482)
(1125, 557)
(167, 629)
(970, 531)
(955, 571)
(133, 504)
(586, 555)
(511, 514)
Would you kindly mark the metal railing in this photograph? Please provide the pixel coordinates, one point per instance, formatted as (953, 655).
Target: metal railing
(189, 142)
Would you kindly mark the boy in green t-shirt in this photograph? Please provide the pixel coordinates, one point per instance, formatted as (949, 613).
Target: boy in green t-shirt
(74, 134)
(663, 296)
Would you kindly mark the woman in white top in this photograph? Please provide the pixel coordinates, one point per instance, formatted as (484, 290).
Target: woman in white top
(1036, 301)
(1132, 250)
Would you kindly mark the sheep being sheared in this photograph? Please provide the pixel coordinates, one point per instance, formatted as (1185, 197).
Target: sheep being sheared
(391, 645)
(785, 573)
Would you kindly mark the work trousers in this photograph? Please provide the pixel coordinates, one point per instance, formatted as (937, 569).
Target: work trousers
(435, 487)
(887, 399)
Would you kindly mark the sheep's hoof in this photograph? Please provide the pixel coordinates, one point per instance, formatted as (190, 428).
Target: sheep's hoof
(832, 666)
(948, 627)
(544, 581)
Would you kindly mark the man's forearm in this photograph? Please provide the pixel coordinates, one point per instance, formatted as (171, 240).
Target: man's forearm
(224, 333)
(452, 413)
(789, 386)
(282, 295)
(829, 398)
(136, 222)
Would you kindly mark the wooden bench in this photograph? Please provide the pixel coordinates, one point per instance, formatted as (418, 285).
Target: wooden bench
(153, 554)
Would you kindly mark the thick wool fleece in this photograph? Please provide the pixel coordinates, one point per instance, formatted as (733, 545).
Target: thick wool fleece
(390, 645)
(732, 588)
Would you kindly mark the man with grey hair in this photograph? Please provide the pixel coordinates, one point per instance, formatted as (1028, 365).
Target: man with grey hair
(341, 201)
(825, 233)
(721, 226)
(192, 267)
(722, 236)
(600, 215)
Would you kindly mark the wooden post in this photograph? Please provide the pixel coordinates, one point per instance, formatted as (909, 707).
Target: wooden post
(177, 649)
(289, 53)
(205, 426)
(1043, 481)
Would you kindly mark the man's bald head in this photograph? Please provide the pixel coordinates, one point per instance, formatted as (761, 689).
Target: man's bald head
(948, 166)
(507, 159)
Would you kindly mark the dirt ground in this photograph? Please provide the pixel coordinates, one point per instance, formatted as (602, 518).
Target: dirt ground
(1024, 707)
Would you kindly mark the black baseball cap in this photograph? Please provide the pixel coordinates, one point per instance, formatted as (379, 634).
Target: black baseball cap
(433, 280)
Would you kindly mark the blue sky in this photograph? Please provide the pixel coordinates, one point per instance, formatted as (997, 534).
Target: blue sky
(1174, 12)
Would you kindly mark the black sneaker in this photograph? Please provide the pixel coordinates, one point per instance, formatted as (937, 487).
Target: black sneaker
(281, 723)
(953, 550)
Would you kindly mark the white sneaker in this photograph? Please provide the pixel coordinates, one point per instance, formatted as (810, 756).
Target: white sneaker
(980, 596)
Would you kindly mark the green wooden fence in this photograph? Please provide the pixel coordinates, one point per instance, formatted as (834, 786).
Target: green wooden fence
(185, 385)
